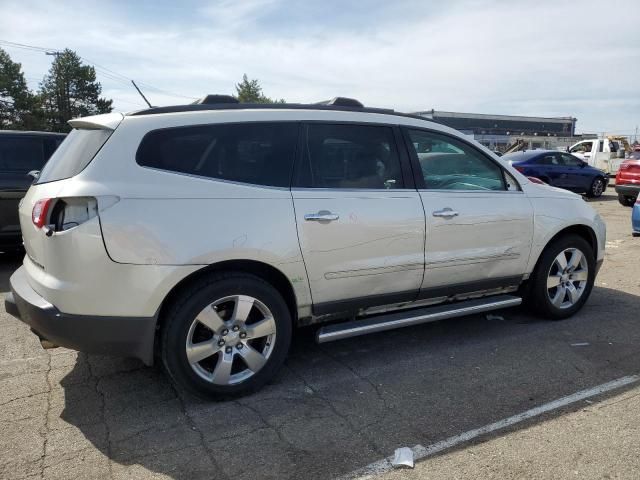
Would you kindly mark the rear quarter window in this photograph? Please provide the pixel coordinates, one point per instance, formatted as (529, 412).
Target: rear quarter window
(256, 153)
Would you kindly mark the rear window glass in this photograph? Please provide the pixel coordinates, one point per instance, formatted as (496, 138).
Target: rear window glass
(73, 154)
(256, 153)
(21, 154)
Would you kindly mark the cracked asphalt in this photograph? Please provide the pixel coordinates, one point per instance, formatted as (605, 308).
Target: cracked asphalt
(335, 407)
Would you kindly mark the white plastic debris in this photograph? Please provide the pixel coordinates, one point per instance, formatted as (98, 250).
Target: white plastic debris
(403, 457)
(490, 317)
(580, 344)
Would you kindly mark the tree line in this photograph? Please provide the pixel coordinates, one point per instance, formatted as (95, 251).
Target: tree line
(69, 90)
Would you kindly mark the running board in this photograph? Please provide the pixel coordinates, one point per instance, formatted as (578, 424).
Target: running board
(380, 323)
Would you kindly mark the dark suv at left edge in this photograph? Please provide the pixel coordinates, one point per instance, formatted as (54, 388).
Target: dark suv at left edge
(20, 153)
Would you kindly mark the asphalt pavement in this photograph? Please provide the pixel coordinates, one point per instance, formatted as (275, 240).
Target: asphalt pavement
(338, 407)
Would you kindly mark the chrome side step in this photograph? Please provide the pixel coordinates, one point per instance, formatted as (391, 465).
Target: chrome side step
(408, 318)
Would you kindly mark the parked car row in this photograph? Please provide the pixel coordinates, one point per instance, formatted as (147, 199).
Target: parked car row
(628, 179)
(20, 154)
(560, 169)
(604, 153)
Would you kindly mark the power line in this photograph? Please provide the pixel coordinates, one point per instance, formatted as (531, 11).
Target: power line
(104, 71)
(166, 92)
(26, 47)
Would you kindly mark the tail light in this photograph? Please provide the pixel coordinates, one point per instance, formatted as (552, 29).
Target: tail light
(63, 213)
(40, 212)
(537, 180)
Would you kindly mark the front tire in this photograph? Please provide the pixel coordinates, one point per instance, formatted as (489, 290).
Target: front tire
(226, 336)
(597, 188)
(563, 278)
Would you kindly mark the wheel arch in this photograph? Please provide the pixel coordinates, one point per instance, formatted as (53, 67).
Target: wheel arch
(581, 230)
(260, 269)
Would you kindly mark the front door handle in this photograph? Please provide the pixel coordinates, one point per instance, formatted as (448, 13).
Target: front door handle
(445, 213)
(321, 216)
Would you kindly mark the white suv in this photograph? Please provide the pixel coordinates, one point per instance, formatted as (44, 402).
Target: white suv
(203, 234)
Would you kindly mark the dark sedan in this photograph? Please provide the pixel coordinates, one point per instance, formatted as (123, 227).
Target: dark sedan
(561, 170)
(20, 153)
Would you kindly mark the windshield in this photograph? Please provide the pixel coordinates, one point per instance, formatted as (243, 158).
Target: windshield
(73, 154)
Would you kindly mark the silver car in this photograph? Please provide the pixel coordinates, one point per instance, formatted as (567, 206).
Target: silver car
(204, 234)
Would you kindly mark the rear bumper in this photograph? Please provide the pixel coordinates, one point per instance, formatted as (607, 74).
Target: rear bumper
(631, 190)
(122, 336)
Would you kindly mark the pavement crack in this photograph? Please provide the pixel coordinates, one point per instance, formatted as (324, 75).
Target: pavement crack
(96, 386)
(335, 410)
(376, 388)
(194, 427)
(25, 396)
(274, 427)
(46, 428)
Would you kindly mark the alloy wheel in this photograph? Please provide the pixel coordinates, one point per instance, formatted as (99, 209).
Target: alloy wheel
(231, 339)
(598, 188)
(567, 278)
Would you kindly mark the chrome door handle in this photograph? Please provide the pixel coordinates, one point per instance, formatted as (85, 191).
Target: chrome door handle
(445, 213)
(322, 216)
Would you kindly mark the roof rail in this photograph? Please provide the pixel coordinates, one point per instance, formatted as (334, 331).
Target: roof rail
(342, 102)
(214, 99)
(229, 105)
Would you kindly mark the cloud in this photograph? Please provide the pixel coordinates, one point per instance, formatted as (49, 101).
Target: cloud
(542, 58)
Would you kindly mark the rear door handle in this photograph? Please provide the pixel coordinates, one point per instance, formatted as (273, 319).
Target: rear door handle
(445, 213)
(322, 216)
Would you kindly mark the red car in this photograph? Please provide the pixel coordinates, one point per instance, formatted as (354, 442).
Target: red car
(628, 179)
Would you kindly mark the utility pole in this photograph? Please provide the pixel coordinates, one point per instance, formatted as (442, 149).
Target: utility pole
(59, 94)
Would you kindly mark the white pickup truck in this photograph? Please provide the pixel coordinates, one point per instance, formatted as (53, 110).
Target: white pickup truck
(603, 153)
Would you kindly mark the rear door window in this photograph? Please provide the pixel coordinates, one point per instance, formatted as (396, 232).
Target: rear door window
(73, 154)
(349, 156)
(570, 160)
(256, 153)
(21, 154)
(549, 159)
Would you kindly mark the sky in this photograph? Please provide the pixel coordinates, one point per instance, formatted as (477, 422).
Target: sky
(539, 58)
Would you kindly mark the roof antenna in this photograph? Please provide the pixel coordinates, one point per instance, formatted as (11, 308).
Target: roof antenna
(141, 94)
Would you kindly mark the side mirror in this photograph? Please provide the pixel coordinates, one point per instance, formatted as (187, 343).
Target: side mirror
(35, 174)
(583, 164)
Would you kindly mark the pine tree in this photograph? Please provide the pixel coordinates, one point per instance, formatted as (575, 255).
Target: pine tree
(18, 106)
(250, 91)
(70, 90)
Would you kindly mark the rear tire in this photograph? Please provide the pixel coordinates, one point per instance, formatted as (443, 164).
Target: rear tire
(597, 188)
(226, 336)
(625, 200)
(563, 278)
